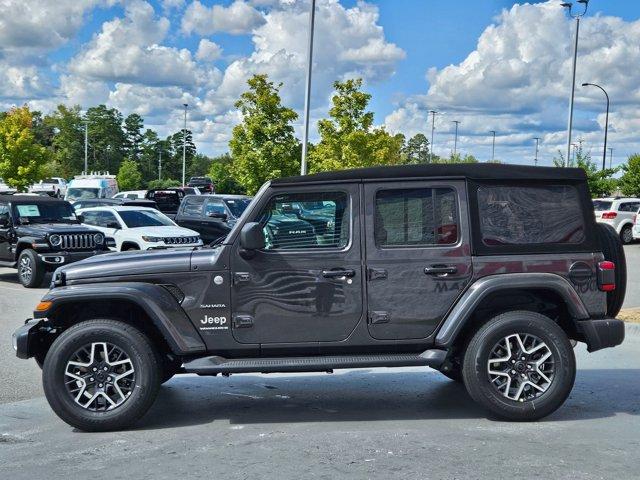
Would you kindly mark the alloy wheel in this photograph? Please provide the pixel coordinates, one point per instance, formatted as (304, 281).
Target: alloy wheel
(26, 269)
(521, 367)
(100, 376)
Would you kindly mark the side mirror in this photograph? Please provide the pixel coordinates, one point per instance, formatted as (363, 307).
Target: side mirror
(218, 215)
(80, 218)
(252, 237)
(114, 225)
(4, 221)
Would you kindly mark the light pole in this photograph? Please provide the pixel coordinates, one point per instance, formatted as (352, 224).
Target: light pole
(577, 16)
(307, 92)
(86, 147)
(535, 160)
(455, 139)
(433, 127)
(184, 145)
(160, 164)
(493, 146)
(606, 123)
(610, 156)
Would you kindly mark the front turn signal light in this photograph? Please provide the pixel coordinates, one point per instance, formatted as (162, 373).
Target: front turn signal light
(43, 306)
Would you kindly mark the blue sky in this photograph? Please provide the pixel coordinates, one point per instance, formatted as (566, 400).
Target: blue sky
(492, 64)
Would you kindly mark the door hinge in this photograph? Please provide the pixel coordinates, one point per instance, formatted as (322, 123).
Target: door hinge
(377, 274)
(242, 321)
(241, 277)
(378, 317)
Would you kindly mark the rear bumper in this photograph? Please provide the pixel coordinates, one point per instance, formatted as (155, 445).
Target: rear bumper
(28, 338)
(601, 333)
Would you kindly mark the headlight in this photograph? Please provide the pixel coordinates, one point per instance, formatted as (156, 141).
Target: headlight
(151, 239)
(98, 238)
(55, 240)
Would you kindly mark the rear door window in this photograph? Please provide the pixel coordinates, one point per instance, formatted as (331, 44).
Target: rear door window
(521, 215)
(192, 207)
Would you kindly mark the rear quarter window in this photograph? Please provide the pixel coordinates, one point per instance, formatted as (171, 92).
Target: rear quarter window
(521, 215)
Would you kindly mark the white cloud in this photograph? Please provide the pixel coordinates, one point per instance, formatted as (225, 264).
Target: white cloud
(208, 51)
(517, 82)
(238, 18)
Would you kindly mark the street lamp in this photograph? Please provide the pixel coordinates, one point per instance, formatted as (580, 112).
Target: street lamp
(606, 123)
(307, 92)
(535, 161)
(86, 146)
(433, 127)
(493, 147)
(455, 139)
(184, 145)
(160, 164)
(610, 156)
(577, 16)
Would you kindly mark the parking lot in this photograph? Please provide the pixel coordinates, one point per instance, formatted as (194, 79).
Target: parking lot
(352, 424)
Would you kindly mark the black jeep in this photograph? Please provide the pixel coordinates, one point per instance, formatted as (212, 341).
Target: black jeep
(39, 234)
(487, 273)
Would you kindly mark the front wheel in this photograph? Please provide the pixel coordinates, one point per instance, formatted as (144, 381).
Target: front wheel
(30, 269)
(520, 366)
(626, 235)
(101, 375)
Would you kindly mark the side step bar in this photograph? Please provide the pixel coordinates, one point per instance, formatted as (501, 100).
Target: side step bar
(214, 365)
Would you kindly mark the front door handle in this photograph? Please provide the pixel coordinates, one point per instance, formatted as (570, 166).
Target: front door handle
(440, 269)
(338, 273)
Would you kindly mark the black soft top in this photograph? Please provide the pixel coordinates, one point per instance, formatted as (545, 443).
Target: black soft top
(475, 171)
(30, 199)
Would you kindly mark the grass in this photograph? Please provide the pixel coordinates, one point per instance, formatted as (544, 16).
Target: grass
(630, 315)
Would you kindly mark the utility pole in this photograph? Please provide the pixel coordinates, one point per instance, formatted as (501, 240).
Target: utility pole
(307, 92)
(184, 145)
(610, 156)
(455, 139)
(535, 161)
(86, 147)
(493, 147)
(433, 127)
(160, 165)
(577, 16)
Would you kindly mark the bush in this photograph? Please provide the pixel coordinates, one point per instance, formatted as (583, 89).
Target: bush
(164, 183)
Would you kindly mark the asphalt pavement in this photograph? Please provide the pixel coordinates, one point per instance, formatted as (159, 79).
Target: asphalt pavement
(378, 423)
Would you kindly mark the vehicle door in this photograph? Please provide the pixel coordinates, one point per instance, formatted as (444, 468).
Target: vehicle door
(302, 287)
(417, 255)
(215, 220)
(627, 211)
(6, 232)
(190, 215)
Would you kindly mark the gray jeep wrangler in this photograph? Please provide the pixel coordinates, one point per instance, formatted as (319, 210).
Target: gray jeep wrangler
(487, 273)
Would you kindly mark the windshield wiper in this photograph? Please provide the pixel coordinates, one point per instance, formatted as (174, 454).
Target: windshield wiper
(217, 241)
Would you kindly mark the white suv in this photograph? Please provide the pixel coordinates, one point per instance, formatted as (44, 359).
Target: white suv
(618, 212)
(139, 228)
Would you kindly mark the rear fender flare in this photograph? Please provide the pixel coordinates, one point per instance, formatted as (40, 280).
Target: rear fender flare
(161, 307)
(462, 311)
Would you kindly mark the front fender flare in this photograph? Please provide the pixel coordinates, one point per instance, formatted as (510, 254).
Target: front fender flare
(161, 307)
(479, 290)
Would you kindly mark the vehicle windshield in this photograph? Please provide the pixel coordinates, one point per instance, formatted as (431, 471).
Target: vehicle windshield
(46, 212)
(78, 193)
(237, 205)
(601, 205)
(144, 218)
(49, 180)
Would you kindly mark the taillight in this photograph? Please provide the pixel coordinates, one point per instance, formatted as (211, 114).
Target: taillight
(606, 276)
(609, 215)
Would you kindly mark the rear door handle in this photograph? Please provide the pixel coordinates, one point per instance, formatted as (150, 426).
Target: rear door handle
(440, 269)
(338, 273)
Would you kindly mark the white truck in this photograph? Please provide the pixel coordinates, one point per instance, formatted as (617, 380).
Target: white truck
(90, 186)
(54, 187)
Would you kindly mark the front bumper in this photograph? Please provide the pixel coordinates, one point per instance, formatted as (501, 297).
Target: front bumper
(601, 333)
(55, 259)
(30, 337)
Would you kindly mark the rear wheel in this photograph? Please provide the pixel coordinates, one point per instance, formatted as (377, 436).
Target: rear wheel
(613, 251)
(30, 269)
(101, 375)
(520, 366)
(626, 235)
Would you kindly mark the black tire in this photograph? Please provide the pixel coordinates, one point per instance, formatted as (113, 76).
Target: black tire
(626, 235)
(613, 251)
(129, 247)
(476, 374)
(143, 387)
(30, 269)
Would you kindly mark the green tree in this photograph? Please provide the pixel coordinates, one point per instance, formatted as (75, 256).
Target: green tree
(106, 138)
(164, 183)
(220, 173)
(457, 158)
(198, 166)
(348, 138)
(133, 126)
(264, 145)
(416, 150)
(601, 182)
(21, 157)
(129, 176)
(68, 141)
(629, 182)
